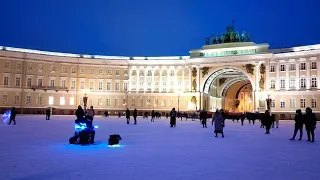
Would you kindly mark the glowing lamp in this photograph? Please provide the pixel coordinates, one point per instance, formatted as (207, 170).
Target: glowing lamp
(50, 100)
(6, 116)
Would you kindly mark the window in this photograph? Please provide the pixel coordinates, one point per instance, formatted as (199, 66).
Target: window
(282, 83)
(148, 102)
(303, 82)
(40, 83)
(272, 68)
(171, 72)
(313, 82)
(28, 99)
(292, 83)
(73, 70)
(313, 65)
(302, 103)
(29, 81)
(18, 81)
(272, 84)
(18, 66)
(39, 100)
(52, 68)
(101, 71)
(134, 84)
(124, 101)
(125, 72)
(63, 83)
(117, 72)
(100, 85)
(6, 80)
(141, 85)
(63, 69)
(292, 103)
(116, 87)
(82, 85)
(133, 102)
(4, 99)
(149, 73)
(73, 84)
(282, 104)
(109, 72)
(71, 101)
(99, 101)
(292, 67)
(109, 86)
(29, 67)
(91, 85)
(282, 67)
(164, 83)
(156, 102)
(92, 71)
(303, 66)
(16, 99)
(313, 103)
(140, 101)
(125, 86)
(116, 101)
(51, 82)
(164, 103)
(90, 101)
(273, 103)
(82, 71)
(171, 102)
(7, 64)
(62, 100)
(40, 67)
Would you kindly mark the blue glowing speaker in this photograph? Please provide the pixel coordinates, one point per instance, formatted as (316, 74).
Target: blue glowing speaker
(114, 139)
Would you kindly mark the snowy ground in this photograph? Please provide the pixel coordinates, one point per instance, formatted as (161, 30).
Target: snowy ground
(36, 149)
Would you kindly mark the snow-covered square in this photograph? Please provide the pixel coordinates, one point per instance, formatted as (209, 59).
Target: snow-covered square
(36, 149)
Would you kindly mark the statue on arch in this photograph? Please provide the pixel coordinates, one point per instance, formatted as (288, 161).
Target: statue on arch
(237, 37)
(218, 39)
(213, 40)
(222, 38)
(232, 37)
(194, 84)
(207, 41)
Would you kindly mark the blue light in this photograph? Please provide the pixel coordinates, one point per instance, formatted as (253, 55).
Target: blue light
(115, 146)
(82, 126)
(6, 116)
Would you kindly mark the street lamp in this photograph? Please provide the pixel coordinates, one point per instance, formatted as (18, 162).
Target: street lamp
(51, 103)
(268, 100)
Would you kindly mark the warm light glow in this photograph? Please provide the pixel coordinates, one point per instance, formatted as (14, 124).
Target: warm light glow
(71, 101)
(249, 100)
(50, 100)
(62, 100)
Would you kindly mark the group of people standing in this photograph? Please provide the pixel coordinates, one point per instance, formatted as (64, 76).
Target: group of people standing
(135, 114)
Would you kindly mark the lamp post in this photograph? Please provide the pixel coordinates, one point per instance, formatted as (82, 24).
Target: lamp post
(268, 102)
(50, 103)
(85, 100)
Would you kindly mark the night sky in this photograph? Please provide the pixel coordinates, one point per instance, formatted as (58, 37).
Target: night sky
(152, 27)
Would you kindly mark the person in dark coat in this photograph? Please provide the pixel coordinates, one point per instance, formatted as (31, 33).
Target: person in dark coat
(242, 117)
(267, 121)
(48, 113)
(135, 114)
(173, 115)
(128, 116)
(298, 125)
(13, 116)
(218, 120)
(152, 116)
(310, 122)
(80, 113)
(204, 115)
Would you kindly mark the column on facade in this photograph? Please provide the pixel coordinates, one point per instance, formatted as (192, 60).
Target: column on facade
(277, 76)
(130, 79)
(190, 79)
(182, 80)
(297, 75)
(176, 86)
(152, 83)
(267, 75)
(287, 76)
(318, 73)
(198, 78)
(308, 79)
(138, 79)
(160, 80)
(257, 76)
(145, 85)
(168, 84)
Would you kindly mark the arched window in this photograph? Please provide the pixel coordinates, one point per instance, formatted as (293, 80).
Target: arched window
(282, 83)
(313, 81)
(272, 84)
(292, 83)
(303, 82)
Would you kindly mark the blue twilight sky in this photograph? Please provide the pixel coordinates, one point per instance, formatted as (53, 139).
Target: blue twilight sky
(152, 27)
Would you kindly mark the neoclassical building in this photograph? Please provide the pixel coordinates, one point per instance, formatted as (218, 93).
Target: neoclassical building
(236, 75)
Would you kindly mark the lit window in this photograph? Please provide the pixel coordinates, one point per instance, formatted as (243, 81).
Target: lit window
(292, 82)
(292, 103)
(62, 100)
(71, 101)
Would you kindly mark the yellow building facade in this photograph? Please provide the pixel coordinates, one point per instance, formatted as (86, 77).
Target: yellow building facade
(236, 76)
